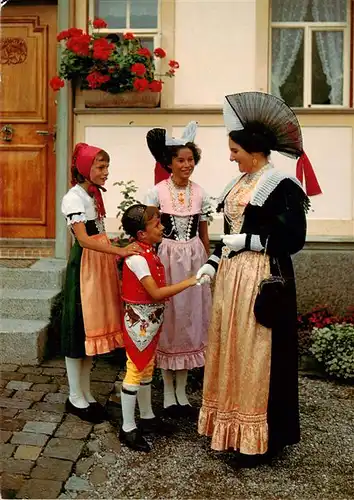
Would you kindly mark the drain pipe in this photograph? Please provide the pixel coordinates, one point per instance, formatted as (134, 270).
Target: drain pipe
(62, 144)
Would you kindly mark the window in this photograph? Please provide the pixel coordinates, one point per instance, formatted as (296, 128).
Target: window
(138, 16)
(310, 52)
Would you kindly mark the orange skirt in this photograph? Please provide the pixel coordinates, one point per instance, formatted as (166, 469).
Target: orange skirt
(101, 300)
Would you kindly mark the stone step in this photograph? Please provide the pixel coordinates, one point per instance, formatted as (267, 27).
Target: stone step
(28, 303)
(44, 274)
(22, 341)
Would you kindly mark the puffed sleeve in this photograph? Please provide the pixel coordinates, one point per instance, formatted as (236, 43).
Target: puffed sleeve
(73, 209)
(152, 197)
(207, 208)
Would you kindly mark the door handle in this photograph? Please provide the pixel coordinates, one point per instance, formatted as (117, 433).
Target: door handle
(7, 132)
(47, 133)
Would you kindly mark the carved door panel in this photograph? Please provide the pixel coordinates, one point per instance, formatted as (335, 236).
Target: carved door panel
(27, 121)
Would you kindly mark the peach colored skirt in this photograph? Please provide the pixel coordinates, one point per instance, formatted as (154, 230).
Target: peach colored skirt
(237, 368)
(101, 300)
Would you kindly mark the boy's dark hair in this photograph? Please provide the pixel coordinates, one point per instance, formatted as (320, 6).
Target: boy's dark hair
(136, 217)
(173, 151)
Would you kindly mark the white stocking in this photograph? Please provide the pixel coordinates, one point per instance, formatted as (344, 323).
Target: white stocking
(128, 399)
(144, 399)
(181, 384)
(76, 394)
(169, 397)
(85, 378)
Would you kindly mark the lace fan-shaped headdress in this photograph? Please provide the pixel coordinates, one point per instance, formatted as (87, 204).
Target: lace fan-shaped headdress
(261, 113)
(158, 142)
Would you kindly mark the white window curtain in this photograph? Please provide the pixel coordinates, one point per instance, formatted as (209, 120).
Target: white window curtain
(286, 42)
(330, 46)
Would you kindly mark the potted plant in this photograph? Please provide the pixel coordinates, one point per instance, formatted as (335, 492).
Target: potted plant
(111, 70)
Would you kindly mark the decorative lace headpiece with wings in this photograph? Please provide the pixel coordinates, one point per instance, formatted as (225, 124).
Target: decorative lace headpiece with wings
(254, 111)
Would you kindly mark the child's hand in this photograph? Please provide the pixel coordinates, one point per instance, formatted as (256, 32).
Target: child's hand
(192, 280)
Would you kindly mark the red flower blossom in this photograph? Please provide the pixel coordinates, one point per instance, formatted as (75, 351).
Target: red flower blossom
(99, 23)
(56, 83)
(155, 86)
(63, 35)
(144, 52)
(159, 52)
(141, 84)
(172, 71)
(79, 44)
(102, 49)
(173, 64)
(139, 69)
(113, 69)
(129, 36)
(95, 79)
(74, 32)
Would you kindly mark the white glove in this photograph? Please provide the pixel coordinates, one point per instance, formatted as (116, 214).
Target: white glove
(206, 269)
(235, 242)
(204, 279)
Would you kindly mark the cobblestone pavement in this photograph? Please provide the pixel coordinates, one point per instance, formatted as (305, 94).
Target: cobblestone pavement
(49, 454)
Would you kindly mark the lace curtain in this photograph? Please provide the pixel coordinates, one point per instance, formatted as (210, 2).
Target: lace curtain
(330, 45)
(286, 42)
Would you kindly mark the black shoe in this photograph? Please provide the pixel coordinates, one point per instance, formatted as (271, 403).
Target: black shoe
(190, 412)
(134, 440)
(156, 426)
(172, 411)
(87, 414)
(99, 410)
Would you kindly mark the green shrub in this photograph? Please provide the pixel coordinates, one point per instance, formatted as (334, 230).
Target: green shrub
(333, 346)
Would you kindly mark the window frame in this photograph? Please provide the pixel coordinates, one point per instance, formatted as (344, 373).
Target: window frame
(310, 28)
(153, 33)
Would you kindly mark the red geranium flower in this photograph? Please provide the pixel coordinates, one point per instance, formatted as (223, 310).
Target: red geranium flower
(74, 32)
(144, 52)
(159, 52)
(79, 44)
(141, 84)
(172, 71)
(102, 49)
(129, 36)
(95, 79)
(63, 35)
(56, 83)
(99, 23)
(155, 86)
(173, 64)
(139, 69)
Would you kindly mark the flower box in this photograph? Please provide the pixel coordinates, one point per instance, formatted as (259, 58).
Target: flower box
(127, 99)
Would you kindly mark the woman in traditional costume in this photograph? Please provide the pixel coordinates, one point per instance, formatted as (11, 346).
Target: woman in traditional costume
(92, 309)
(185, 209)
(250, 395)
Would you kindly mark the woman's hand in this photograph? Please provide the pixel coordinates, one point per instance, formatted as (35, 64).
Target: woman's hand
(206, 269)
(132, 249)
(235, 242)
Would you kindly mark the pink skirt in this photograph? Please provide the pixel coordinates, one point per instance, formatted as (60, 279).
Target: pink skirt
(184, 332)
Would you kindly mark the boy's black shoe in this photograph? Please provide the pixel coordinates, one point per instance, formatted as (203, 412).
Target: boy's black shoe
(88, 414)
(156, 426)
(134, 440)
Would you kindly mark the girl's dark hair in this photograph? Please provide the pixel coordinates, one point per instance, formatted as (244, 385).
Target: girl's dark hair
(79, 178)
(173, 151)
(255, 139)
(136, 217)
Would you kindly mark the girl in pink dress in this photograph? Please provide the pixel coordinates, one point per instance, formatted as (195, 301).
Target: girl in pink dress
(185, 209)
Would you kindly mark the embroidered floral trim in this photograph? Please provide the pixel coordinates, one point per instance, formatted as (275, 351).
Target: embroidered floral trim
(180, 196)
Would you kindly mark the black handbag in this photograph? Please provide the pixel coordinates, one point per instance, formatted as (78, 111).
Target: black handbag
(268, 303)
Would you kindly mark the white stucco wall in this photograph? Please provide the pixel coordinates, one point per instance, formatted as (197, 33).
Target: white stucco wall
(215, 40)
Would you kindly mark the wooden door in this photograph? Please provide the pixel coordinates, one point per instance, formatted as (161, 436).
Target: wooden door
(27, 114)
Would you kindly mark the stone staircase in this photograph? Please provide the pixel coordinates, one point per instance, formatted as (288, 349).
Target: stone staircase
(26, 299)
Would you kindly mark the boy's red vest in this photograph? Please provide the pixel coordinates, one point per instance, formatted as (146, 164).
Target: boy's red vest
(133, 292)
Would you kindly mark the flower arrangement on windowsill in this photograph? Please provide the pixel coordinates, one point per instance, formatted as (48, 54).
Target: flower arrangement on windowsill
(112, 64)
